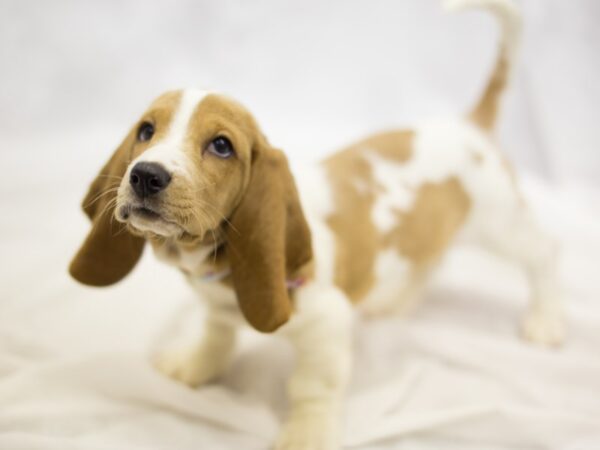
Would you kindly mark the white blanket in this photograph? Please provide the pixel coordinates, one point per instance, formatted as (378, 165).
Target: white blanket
(75, 372)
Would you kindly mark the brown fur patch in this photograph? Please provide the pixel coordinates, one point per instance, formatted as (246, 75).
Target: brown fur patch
(486, 110)
(268, 241)
(423, 232)
(109, 252)
(354, 191)
(428, 227)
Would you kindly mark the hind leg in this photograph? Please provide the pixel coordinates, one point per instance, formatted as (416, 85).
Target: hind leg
(523, 242)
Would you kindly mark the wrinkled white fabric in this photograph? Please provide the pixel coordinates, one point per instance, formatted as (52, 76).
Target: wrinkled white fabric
(75, 371)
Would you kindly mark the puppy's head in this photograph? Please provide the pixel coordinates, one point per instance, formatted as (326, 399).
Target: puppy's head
(197, 165)
(190, 160)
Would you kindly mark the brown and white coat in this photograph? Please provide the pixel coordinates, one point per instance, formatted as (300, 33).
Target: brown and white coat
(296, 252)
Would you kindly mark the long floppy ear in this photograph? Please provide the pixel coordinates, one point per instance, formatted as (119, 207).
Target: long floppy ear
(109, 251)
(268, 240)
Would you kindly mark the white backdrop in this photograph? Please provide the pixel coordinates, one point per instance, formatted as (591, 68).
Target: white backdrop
(74, 75)
(317, 74)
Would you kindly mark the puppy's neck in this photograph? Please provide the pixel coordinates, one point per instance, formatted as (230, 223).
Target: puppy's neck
(194, 258)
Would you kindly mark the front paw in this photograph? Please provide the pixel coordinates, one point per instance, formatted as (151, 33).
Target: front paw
(191, 366)
(309, 433)
(544, 327)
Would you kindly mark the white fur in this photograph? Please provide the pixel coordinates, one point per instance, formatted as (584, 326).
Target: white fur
(393, 277)
(506, 13)
(320, 332)
(188, 261)
(398, 195)
(317, 203)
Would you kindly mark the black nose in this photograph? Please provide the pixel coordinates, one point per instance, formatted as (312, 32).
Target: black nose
(147, 178)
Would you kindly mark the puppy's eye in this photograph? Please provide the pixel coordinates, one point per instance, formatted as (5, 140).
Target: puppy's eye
(221, 147)
(145, 132)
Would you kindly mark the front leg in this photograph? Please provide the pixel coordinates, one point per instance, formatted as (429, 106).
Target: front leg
(204, 360)
(320, 332)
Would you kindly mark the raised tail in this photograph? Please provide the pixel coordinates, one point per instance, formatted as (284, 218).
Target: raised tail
(508, 15)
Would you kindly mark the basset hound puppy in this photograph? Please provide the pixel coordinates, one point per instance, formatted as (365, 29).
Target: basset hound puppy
(296, 253)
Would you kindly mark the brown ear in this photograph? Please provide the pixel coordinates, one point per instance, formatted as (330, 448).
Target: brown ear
(109, 251)
(268, 240)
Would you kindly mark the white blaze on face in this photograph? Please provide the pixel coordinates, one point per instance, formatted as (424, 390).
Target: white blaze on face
(169, 151)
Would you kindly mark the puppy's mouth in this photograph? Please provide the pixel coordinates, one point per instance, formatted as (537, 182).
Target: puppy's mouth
(145, 213)
(145, 219)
